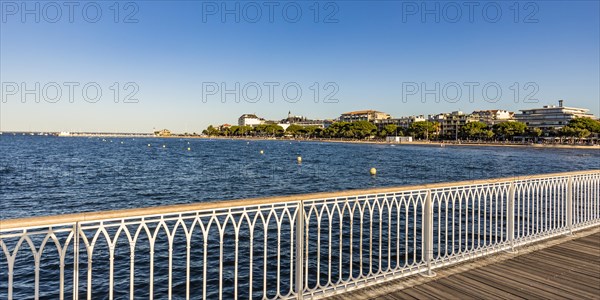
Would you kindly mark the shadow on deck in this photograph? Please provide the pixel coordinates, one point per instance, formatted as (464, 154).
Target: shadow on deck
(564, 268)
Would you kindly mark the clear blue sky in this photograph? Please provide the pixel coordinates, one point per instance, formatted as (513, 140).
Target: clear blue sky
(368, 49)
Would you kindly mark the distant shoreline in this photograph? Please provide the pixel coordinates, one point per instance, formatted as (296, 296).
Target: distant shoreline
(424, 143)
(378, 142)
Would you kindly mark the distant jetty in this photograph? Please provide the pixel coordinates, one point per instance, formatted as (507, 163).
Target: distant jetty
(77, 134)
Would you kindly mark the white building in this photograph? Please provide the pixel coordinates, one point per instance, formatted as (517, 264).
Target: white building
(403, 122)
(494, 116)
(399, 139)
(551, 117)
(250, 120)
(363, 115)
(451, 123)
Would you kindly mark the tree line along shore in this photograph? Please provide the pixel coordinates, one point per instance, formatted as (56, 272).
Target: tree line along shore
(578, 131)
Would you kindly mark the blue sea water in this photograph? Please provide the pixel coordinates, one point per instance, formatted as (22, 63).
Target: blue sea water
(42, 175)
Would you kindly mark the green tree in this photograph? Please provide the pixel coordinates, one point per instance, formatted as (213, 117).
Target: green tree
(507, 130)
(424, 129)
(308, 131)
(363, 129)
(390, 129)
(211, 131)
(244, 130)
(233, 130)
(335, 129)
(474, 130)
(534, 132)
(293, 129)
(575, 132)
(488, 134)
(274, 130)
(593, 126)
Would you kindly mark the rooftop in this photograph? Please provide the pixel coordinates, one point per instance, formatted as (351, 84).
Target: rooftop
(362, 112)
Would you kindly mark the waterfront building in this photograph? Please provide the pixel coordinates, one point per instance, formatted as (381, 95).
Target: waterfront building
(399, 139)
(494, 116)
(551, 117)
(402, 122)
(164, 132)
(250, 120)
(363, 115)
(451, 123)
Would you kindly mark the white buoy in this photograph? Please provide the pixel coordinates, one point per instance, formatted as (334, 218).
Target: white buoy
(299, 159)
(262, 152)
(189, 149)
(373, 171)
(148, 145)
(121, 142)
(164, 146)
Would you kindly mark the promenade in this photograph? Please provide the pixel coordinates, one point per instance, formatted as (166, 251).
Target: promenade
(564, 268)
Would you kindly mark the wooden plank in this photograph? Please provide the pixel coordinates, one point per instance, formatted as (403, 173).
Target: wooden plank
(524, 281)
(592, 240)
(573, 254)
(557, 262)
(538, 268)
(498, 283)
(583, 248)
(438, 290)
(595, 247)
(512, 283)
(547, 279)
(398, 295)
(574, 249)
(548, 264)
(466, 285)
(418, 294)
(579, 280)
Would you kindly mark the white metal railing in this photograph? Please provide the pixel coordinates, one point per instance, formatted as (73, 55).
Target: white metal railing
(251, 249)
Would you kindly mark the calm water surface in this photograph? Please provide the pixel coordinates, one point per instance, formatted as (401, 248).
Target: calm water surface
(51, 175)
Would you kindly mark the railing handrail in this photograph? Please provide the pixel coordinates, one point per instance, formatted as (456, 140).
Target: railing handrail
(40, 221)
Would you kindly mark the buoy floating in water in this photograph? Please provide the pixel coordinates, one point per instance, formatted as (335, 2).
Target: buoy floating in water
(262, 152)
(164, 146)
(189, 149)
(148, 145)
(373, 171)
(299, 159)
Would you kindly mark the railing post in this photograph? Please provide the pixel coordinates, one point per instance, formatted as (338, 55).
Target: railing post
(510, 216)
(76, 261)
(300, 250)
(428, 233)
(570, 204)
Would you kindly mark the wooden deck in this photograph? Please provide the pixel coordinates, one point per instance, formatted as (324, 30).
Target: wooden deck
(566, 270)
